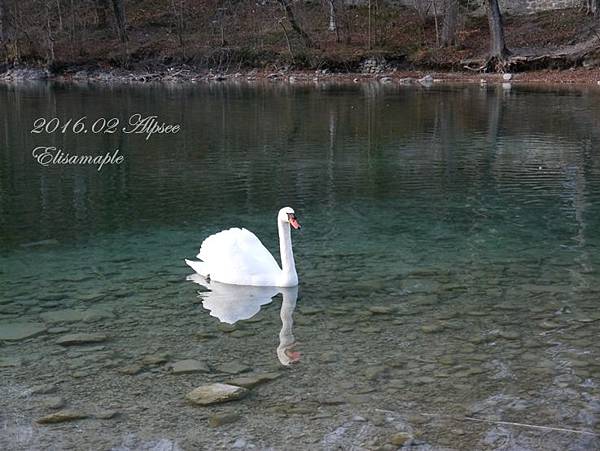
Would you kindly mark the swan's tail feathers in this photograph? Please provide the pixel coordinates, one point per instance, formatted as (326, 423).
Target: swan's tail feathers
(200, 267)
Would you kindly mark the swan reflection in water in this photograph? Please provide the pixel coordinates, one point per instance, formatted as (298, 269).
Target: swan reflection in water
(233, 303)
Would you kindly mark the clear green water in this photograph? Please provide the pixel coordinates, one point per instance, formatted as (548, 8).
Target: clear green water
(448, 267)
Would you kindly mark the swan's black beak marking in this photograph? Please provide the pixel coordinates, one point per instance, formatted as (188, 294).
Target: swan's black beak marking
(294, 221)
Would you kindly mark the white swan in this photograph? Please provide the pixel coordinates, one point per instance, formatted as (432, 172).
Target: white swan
(236, 256)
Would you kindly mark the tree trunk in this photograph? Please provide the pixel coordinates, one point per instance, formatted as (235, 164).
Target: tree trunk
(49, 37)
(59, 10)
(3, 17)
(498, 50)
(450, 23)
(119, 10)
(332, 21)
(369, 32)
(435, 20)
(15, 31)
(179, 23)
(292, 19)
(72, 28)
(101, 7)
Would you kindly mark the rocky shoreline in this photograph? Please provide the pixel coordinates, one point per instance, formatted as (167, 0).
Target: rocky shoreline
(369, 73)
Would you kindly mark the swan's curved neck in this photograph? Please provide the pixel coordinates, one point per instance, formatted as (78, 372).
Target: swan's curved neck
(288, 266)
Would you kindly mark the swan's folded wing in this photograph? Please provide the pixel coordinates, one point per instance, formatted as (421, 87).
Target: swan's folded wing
(237, 256)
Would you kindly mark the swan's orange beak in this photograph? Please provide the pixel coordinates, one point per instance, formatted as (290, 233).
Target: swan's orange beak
(294, 221)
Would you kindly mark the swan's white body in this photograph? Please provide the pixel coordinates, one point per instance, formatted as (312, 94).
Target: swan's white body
(237, 257)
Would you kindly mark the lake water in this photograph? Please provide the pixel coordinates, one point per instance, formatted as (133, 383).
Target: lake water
(448, 266)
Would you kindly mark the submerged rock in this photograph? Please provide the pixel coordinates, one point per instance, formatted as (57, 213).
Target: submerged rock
(215, 393)
(447, 360)
(7, 362)
(233, 368)
(156, 359)
(189, 366)
(227, 328)
(51, 242)
(239, 443)
(219, 420)
(20, 331)
(509, 335)
(75, 315)
(106, 414)
(253, 380)
(42, 389)
(61, 417)
(242, 333)
(400, 438)
(58, 330)
(549, 325)
(78, 339)
(131, 370)
(381, 309)
(432, 328)
(311, 310)
(53, 402)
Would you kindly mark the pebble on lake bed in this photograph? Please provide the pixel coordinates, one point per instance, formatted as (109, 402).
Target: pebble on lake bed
(106, 414)
(252, 380)
(381, 309)
(7, 362)
(42, 389)
(131, 370)
(76, 315)
(233, 368)
(20, 331)
(189, 366)
(215, 393)
(220, 420)
(78, 339)
(61, 417)
(53, 402)
(400, 438)
(156, 359)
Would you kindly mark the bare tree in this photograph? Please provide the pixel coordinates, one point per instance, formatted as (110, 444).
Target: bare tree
(498, 50)
(15, 29)
(289, 13)
(332, 19)
(119, 10)
(101, 7)
(49, 36)
(450, 23)
(221, 16)
(3, 21)
(179, 22)
(59, 11)
(72, 27)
